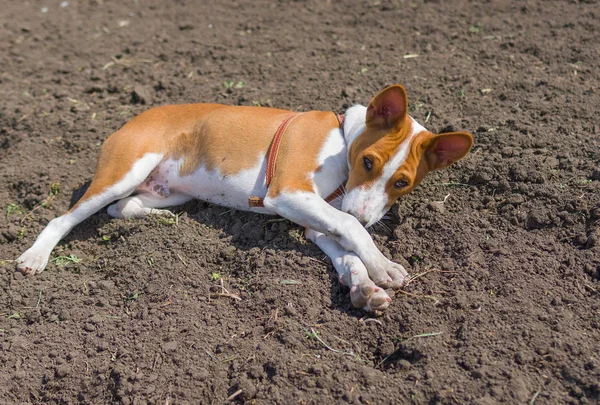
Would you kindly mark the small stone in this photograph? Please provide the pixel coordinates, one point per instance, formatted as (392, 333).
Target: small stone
(437, 206)
(88, 327)
(106, 285)
(404, 364)
(200, 374)
(228, 253)
(552, 162)
(519, 390)
(536, 220)
(61, 371)
(593, 240)
(481, 177)
(96, 319)
(316, 369)
(141, 95)
(170, 347)
(349, 92)
(515, 199)
(11, 233)
(248, 389)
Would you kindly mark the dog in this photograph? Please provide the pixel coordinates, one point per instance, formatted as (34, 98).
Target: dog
(334, 175)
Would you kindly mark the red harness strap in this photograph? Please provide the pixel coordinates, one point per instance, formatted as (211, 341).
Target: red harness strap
(272, 159)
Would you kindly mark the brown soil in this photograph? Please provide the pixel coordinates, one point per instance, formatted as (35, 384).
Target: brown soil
(507, 305)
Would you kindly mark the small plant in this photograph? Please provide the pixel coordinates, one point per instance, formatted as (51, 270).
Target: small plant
(312, 334)
(233, 85)
(13, 209)
(54, 188)
(133, 297)
(61, 261)
(215, 276)
(475, 29)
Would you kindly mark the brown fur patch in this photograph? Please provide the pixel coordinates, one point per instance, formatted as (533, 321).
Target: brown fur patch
(299, 150)
(230, 139)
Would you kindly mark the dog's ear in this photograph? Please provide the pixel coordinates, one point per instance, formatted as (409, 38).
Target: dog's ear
(388, 108)
(444, 149)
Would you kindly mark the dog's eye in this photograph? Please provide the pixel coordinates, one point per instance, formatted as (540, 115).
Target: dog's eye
(400, 184)
(368, 164)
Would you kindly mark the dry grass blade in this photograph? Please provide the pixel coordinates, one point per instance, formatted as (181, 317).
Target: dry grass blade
(315, 335)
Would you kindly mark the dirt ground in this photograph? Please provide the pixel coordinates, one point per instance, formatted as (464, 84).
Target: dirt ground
(504, 247)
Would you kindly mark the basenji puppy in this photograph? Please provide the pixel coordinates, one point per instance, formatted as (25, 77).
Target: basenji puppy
(271, 161)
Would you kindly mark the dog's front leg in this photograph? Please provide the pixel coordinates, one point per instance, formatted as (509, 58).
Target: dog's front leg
(311, 211)
(352, 273)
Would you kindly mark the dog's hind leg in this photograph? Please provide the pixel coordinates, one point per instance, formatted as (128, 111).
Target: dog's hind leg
(110, 183)
(145, 203)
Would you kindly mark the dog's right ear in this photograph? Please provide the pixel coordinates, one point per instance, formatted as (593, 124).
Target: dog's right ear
(388, 108)
(444, 149)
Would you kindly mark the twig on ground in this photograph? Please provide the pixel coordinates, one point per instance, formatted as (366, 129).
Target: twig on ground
(431, 297)
(365, 320)
(316, 336)
(225, 293)
(537, 393)
(235, 394)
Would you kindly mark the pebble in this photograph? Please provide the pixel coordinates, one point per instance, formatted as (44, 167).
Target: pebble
(62, 371)
(316, 369)
(141, 95)
(170, 347)
(96, 319)
(404, 364)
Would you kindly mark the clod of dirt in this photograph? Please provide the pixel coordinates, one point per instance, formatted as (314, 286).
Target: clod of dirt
(248, 388)
(11, 233)
(141, 95)
(170, 347)
(537, 220)
(62, 371)
(437, 206)
(593, 240)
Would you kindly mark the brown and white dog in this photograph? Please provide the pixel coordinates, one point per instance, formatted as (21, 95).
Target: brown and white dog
(229, 156)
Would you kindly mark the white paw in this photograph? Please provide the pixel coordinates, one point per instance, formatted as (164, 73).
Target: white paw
(398, 275)
(31, 262)
(369, 297)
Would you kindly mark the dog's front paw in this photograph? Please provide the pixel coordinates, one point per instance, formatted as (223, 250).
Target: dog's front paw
(387, 274)
(369, 297)
(397, 274)
(31, 262)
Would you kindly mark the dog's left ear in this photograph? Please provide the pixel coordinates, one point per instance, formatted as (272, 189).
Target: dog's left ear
(444, 149)
(388, 108)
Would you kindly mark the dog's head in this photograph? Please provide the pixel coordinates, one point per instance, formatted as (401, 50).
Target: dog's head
(393, 153)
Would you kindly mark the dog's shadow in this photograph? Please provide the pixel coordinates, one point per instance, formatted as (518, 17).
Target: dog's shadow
(246, 230)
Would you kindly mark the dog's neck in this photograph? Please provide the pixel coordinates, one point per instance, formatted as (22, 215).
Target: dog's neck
(354, 123)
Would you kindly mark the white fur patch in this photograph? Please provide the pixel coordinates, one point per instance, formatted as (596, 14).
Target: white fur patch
(332, 160)
(211, 185)
(354, 123)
